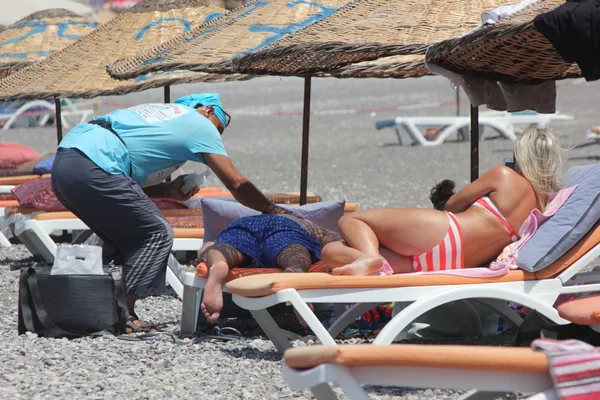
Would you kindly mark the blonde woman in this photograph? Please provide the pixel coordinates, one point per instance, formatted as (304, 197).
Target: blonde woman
(470, 230)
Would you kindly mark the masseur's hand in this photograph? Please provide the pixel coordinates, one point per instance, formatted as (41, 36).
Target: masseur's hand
(175, 189)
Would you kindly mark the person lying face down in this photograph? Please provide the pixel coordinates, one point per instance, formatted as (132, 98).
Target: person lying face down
(466, 229)
(283, 241)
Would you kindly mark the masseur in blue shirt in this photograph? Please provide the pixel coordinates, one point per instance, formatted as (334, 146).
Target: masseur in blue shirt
(105, 170)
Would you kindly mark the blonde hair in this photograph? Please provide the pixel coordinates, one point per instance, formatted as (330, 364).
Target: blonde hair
(538, 155)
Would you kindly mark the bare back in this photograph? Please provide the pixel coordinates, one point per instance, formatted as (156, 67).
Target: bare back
(484, 235)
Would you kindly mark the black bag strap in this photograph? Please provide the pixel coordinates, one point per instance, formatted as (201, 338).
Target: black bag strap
(24, 296)
(49, 327)
(116, 273)
(106, 125)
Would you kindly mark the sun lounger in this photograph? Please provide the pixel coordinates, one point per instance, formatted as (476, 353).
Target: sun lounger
(193, 284)
(537, 290)
(10, 112)
(492, 371)
(407, 128)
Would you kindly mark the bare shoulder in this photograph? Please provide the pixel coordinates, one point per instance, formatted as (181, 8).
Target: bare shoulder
(507, 176)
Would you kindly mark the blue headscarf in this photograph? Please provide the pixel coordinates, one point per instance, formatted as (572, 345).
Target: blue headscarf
(205, 99)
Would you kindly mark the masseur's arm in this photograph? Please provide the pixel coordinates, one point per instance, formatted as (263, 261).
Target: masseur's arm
(485, 184)
(240, 187)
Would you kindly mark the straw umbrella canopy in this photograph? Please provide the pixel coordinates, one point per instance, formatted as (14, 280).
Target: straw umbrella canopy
(511, 50)
(368, 30)
(408, 66)
(79, 71)
(39, 35)
(212, 46)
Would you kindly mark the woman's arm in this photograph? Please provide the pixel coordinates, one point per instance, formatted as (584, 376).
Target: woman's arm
(482, 186)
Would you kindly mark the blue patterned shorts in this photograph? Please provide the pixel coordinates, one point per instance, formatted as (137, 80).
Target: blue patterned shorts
(263, 237)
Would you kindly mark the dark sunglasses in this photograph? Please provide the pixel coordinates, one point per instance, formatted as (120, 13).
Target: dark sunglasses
(227, 116)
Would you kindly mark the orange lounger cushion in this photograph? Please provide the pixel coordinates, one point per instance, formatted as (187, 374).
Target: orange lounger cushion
(265, 285)
(430, 356)
(583, 311)
(17, 180)
(258, 286)
(235, 273)
(583, 246)
(8, 203)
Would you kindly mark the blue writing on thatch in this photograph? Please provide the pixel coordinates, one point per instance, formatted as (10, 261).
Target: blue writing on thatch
(62, 29)
(142, 32)
(279, 32)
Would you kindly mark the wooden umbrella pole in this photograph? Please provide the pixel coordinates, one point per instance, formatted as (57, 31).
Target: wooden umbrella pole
(58, 116)
(305, 132)
(167, 91)
(474, 143)
(167, 98)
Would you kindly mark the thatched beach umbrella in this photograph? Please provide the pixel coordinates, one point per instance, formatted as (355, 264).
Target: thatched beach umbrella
(39, 35)
(79, 71)
(395, 34)
(511, 50)
(212, 47)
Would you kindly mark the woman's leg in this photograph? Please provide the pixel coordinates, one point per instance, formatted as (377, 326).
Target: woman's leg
(338, 255)
(406, 232)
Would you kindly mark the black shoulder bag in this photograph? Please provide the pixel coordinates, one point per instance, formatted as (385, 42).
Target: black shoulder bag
(72, 306)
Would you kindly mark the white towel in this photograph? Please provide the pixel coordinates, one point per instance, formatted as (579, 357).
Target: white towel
(191, 181)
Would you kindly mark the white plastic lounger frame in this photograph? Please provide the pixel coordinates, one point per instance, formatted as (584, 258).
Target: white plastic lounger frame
(35, 235)
(503, 123)
(536, 294)
(489, 384)
(70, 110)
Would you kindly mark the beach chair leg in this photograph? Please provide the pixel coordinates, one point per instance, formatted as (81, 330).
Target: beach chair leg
(174, 271)
(271, 329)
(324, 392)
(4, 242)
(189, 311)
(349, 316)
(311, 319)
(502, 308)
(478, 395)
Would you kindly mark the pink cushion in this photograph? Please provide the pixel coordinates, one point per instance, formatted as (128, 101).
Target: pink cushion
(13, 154)
(39, 194)
(583, 311)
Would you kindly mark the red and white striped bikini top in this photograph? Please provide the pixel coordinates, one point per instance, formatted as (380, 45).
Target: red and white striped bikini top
(486, 203)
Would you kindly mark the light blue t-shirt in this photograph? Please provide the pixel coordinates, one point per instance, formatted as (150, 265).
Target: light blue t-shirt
(159, 138)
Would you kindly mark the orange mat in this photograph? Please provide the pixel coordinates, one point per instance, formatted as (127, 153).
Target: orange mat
(234, 273)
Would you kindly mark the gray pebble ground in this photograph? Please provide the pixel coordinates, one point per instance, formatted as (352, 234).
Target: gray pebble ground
(348, 159)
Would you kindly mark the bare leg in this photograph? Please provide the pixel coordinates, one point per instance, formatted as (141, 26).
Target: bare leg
(295, 258)
(365, 259)
(406, 232)
(219, 258)
(338, 255)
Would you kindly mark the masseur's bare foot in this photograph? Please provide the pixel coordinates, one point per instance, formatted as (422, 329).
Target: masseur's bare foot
(363, 266)
(212, 301)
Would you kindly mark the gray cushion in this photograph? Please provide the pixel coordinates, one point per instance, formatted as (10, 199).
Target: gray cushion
(217, 214)
(569, 225)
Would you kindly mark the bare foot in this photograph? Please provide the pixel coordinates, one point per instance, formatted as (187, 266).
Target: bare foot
(364, 266)
(212, 301)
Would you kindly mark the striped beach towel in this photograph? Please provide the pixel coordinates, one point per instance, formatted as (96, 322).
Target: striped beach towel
(574, 366)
